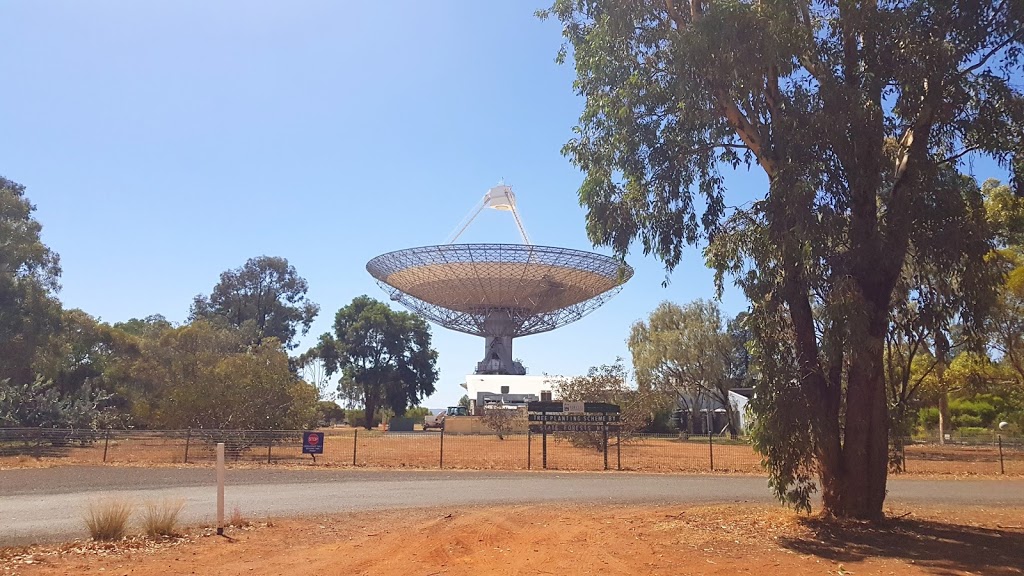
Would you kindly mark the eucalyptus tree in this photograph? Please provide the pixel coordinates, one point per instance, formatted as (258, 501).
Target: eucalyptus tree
(685, 351)
(384, 357)
(858, 114)
(29, 280)
(266, 292)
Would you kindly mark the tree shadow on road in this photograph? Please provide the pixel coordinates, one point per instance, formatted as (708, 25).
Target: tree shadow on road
(945, 548)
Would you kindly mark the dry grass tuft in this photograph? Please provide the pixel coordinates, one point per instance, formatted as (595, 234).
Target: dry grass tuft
(237, 520)
(108, 519)
(161, 518)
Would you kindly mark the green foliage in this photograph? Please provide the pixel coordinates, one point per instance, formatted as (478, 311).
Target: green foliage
(975, 412)
(969, 431)
(357, 417)
(928, 418)
(464, 401)
(686, 353)
(384, 357)
(265, 292)
(40, 404)
(330, 412)
(857, 114)
(29, 278)
(417, 413)
(206, 377)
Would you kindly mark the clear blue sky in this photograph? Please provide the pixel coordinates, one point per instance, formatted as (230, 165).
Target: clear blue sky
(165, 142)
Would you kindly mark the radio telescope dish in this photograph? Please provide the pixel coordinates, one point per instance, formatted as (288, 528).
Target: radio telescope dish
(499, 291)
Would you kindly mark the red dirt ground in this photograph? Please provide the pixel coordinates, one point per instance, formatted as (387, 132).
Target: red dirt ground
(557, 539)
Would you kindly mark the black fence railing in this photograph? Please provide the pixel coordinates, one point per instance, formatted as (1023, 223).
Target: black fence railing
(437, 449)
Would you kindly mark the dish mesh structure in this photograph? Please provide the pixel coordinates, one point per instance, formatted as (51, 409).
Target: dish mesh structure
(499, 291)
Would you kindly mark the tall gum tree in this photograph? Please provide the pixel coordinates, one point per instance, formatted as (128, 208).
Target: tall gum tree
(384, 356)
(859, 113)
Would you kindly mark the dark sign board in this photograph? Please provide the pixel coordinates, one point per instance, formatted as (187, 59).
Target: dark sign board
(312, 443)
(591, 418)
(559, 407)
(568, 427)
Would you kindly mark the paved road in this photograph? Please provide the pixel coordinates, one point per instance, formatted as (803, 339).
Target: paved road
(38, 505)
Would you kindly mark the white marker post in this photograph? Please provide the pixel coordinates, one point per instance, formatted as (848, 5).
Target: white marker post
(220, 488)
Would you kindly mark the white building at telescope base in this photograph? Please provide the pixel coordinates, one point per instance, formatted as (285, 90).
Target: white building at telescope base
(506, 389)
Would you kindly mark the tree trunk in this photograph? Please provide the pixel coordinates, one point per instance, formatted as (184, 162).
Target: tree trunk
(730, 416)
(865, 455)
(852, 464)
(941, 357)
(368, 415)
(943, 411)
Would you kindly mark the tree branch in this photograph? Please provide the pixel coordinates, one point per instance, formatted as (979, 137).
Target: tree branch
(960, 154)
(1015, 37)
(744, 128)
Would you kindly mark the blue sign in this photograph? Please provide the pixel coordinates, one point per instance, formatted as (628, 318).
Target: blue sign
(312, 443)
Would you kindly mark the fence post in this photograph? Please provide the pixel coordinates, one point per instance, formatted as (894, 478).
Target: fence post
(618, 446)
(270, 443)
(529, 444)
(188, 439)
(441, 465)
(106, 442)
(999, 439)
(604, 430)
(544, 438)
(711, 449)
(355, 442)
(220, 488)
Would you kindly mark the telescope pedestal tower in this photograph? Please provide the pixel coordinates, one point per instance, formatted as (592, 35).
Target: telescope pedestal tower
(498, 328)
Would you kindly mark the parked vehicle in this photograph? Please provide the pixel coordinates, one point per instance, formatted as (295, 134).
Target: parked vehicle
(437, 420)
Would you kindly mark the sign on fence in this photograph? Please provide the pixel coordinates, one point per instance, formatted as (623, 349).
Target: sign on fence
(576, 418)
(584, 427)
(547, 416)
(312, 443)
(573, 407)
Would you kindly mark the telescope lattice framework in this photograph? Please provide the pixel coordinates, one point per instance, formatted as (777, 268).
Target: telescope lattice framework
(499, 291)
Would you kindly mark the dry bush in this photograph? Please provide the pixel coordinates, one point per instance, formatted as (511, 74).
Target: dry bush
(609, 383)
(161, 518)
(237, 520)
(503, 420)
(108, 519)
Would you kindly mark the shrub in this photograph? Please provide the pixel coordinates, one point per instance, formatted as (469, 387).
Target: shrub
(417, 413)
(928, 418)
(967, 421)
(356, 417)
(502, 420)
(108, 519)
(161, 518)
(972, 412)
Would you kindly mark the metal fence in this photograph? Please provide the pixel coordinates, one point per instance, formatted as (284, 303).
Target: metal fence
(437, 449)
